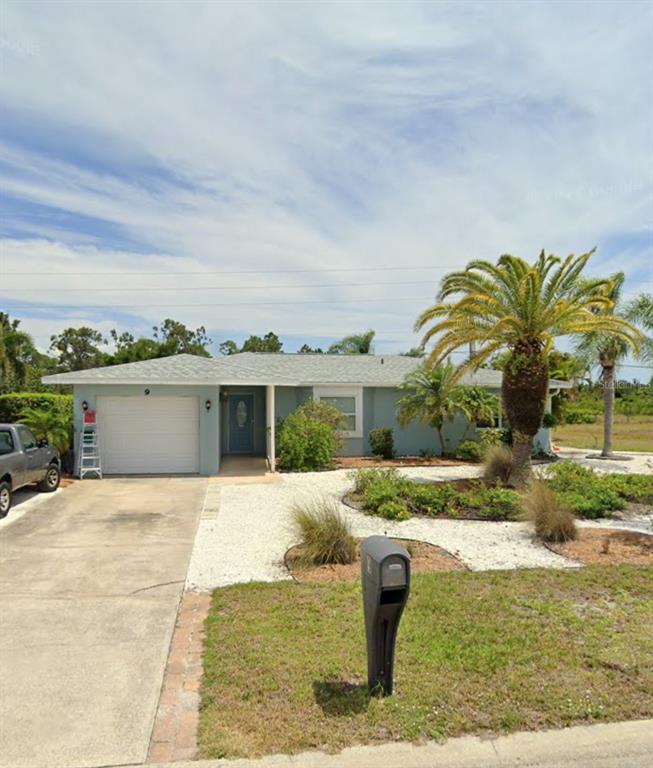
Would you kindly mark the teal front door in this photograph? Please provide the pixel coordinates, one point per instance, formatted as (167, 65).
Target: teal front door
(241, 423)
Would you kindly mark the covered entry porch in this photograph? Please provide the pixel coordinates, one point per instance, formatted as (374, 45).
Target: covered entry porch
(247, 434)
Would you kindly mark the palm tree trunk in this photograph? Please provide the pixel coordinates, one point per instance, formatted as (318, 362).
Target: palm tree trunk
(441, 439)
(523, 390)
(521, 470)
(608, 408)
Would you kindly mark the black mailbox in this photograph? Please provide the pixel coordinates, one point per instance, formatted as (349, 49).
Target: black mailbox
(385, 575)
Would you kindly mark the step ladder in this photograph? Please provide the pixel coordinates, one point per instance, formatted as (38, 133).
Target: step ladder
(89, 447)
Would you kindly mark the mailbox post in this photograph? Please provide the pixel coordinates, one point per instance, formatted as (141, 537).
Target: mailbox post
(385, 575)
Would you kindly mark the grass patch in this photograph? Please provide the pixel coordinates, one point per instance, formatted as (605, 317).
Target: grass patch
(634, 433)
(284, 664)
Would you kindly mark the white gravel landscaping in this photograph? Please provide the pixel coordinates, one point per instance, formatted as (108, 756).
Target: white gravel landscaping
(246, 529)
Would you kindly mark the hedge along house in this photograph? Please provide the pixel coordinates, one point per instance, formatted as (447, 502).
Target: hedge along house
(182, 414)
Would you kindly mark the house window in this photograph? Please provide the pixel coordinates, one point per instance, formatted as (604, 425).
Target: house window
(349, 402)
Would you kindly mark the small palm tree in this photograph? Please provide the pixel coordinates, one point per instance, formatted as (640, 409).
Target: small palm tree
(48, 425)
(476, 404)
(356, 344)
(431, 398)
(520, 307)
(609, 349)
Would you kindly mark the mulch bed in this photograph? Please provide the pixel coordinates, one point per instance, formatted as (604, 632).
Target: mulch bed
(372, 462)
(424, 558)
(606, 546)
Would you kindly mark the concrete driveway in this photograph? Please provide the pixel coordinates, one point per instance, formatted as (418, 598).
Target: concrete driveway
(90, 582)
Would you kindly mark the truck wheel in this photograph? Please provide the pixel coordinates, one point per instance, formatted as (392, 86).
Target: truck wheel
(5, 498)
(51, 481)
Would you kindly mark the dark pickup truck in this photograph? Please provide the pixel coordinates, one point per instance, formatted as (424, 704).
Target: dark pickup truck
(25, 460)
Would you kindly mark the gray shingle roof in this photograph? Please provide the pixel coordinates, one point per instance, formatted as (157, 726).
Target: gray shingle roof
(260, 368)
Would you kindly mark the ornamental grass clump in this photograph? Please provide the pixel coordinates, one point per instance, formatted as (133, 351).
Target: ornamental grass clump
(553, 521)
(498, 464)
(324, 534)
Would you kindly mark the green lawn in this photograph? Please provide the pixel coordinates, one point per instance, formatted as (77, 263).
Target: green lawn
(284, 664)
(632, 434)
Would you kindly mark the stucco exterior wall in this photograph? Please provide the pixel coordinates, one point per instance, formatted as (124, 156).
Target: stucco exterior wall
(209, 427)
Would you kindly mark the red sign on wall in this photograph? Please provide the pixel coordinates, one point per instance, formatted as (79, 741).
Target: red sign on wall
(89, 417)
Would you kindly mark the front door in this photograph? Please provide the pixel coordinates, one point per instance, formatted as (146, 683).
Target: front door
(241, 423)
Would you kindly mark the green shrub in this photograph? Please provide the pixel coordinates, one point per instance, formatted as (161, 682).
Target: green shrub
(549, 421)
(492, 503)
(637, 488)
(324, 412)
(383, 486)
(12, 405)
(579, 416)
(363, 477)
(48, 424)
(490, 436)
(498, 463)
(382, 442)
(553, 521)
(433, 499)
(470, 450)
(427, 453)
(583, 491)
(393, 510)
(306, 444)
(324, 534)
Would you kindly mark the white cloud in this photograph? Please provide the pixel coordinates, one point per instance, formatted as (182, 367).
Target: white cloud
(225, 136)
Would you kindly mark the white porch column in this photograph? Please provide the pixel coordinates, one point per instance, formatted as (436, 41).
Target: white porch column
(269, 423)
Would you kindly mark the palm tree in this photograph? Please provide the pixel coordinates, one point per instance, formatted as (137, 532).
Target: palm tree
(49, 425)
(609, 349)
(431, 398)
(476, 404)
(520, 307)
(356, 344)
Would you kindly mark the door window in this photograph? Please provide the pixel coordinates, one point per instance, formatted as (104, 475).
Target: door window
(27, 438)
(6, 442)
(241, 413)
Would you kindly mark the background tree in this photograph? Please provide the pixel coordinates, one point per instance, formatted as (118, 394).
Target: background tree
(356, 344)
(175, 338)
(430, 398)
(520, 307)
(78, 349)
(131, 350)
(305, 349)
(609, 349)
(17, 354)
(414, 352)
(268, 343)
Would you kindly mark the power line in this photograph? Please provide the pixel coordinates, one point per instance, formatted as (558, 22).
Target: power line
(212, 287)
(244, 271)
(28, 305)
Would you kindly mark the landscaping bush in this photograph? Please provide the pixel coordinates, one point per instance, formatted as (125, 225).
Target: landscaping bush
(553, 521)
(583, 491)
(324, 412)
(470, 450)
(394, 497)
(579, 416)
(382, 442)
(393, 510)
(12, 405)
(549, 421)
(498, 463)
(363, 477)
(325, 536)
(490, 436)
(306, 443)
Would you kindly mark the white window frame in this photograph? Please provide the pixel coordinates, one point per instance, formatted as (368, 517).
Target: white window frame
(356, 393)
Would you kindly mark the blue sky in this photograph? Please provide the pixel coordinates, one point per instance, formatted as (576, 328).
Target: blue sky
(197, 156)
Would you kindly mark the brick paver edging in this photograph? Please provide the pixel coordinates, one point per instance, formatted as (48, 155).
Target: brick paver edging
(174, 736)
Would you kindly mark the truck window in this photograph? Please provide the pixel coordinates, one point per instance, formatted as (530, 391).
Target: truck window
(6, 442)
(26, 438)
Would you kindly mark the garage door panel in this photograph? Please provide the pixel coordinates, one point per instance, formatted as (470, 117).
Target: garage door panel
(149, 434)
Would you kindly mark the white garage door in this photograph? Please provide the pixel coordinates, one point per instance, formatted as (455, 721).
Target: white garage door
(149, 434)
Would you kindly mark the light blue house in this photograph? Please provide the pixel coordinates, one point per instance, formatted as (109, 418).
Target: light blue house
(182, 414)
